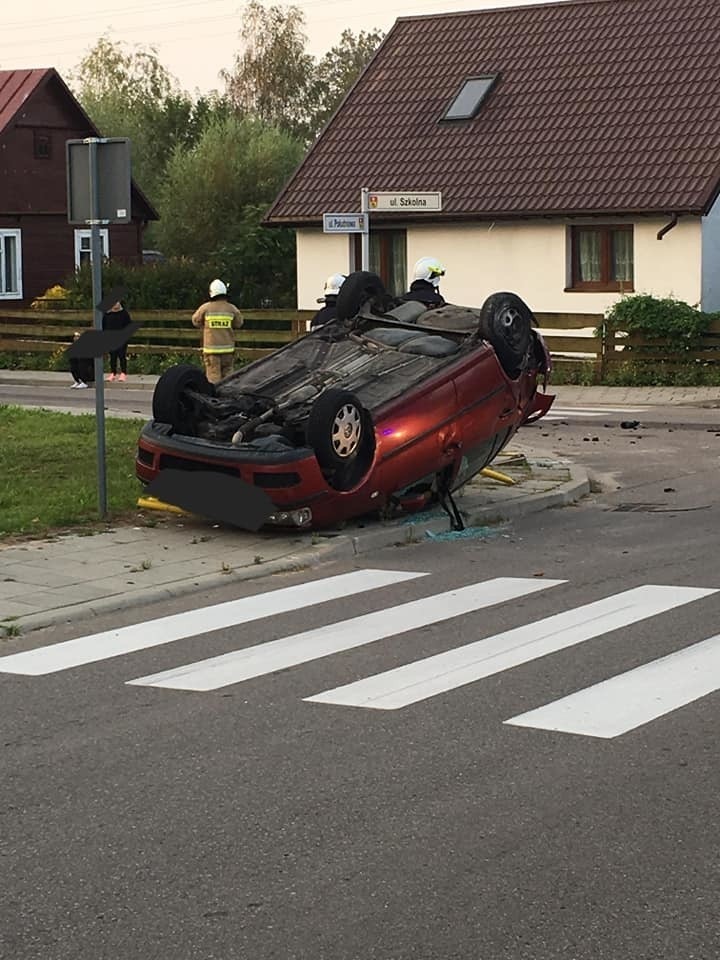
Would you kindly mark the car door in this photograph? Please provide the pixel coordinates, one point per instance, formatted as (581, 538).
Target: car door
(419, 436)
(488, 411)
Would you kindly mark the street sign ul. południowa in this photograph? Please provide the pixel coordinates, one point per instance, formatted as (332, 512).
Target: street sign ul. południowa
(345, 223)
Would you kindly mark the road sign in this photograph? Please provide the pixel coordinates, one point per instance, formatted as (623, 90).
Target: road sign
(403, 202)
(99, 191)
(113, 189)
(345, 223)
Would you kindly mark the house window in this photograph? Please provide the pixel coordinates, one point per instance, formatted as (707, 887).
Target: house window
(468, 100)
(602, 258)
(10, 265)
(82, 246)
(388, 258)
(41, 146)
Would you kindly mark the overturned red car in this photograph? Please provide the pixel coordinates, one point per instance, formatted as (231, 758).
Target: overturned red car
(390, 407)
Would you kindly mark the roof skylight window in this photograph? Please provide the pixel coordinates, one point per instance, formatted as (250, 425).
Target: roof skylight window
(467, 102)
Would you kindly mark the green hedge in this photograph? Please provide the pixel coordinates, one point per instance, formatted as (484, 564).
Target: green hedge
(675, 321)
(176, 284)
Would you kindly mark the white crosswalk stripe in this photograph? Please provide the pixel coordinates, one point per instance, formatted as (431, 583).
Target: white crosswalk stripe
(567, 413)
(229, 668)
(634, 698)
(605, 710)
(153, 633)
(455, 668)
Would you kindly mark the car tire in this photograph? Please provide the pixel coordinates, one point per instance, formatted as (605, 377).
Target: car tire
(358, 288)
(506, 322)
(340, 431)
(169, 404)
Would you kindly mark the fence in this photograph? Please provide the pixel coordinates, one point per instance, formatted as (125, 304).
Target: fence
(160, 331)
(571, 338)
(588, 339)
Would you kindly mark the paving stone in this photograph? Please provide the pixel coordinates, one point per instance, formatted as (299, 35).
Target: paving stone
(34, 574)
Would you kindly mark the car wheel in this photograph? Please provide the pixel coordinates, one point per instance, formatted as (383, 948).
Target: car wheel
(506, 322)
(358, 288)
(169, 400)
(340, 431)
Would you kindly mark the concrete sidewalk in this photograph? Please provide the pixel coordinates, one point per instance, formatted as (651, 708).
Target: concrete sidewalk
(567, 395)
(66, 578)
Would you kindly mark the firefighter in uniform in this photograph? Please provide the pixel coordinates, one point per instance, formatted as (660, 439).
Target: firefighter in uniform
(219, 320)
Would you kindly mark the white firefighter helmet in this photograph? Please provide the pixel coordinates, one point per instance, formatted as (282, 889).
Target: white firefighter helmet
(430, 269)
(332, 286)
(218, 288)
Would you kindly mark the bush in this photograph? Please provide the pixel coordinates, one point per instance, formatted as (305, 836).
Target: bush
(639, 374)
(173, 285)
(182, 284)
(575, 373)
(155, 363)
(667, 319)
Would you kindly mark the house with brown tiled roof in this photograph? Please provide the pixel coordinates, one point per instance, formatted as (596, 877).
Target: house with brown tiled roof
(575, 146)
(38, 247)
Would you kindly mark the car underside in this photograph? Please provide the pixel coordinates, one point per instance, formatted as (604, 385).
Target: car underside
(337, 401)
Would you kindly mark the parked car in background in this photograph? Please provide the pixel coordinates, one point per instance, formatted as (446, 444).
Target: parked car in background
(153, 256)
(389, 407)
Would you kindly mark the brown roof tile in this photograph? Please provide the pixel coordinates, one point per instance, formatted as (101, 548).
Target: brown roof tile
(603, 106)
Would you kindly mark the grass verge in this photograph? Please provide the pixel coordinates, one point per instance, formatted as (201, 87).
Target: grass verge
(48, 473)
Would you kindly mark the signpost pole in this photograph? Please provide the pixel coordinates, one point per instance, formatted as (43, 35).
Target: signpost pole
(96, 262)
(365, 209)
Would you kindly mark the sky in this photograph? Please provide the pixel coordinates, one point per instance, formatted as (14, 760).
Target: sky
(195, 39)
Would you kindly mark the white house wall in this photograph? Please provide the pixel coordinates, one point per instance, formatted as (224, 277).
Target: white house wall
(319, 255)
(528, 258)
(711, 260)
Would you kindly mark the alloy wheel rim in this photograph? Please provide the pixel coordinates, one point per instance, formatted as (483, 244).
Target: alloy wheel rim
(346, 430)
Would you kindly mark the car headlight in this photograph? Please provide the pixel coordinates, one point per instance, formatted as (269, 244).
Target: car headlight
(299, 518)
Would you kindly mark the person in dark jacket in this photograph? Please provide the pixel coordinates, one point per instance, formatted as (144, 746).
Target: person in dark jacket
(82, 370)
(329, 298)
(117, 318)
(425, 287)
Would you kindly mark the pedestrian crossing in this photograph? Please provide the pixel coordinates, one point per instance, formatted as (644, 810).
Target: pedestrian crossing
(179, 626)
(455, 668)
(291, 651)
(584, 413)
(608, 709)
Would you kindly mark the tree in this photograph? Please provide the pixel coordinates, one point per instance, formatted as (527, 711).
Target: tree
(271, 78)
(336, 72)
(215, 195)
(131, 94)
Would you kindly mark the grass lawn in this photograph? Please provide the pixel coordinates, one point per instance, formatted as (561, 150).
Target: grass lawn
(48, 472)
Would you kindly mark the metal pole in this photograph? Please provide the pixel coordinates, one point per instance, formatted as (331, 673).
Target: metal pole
(364, 208)
(96, 255)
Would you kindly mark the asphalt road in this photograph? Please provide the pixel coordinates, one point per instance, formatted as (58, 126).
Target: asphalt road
(120, 399)
(243, 820)
(127, 400)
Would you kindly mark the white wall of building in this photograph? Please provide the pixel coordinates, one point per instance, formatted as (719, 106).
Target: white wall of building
(530, 258)
(318, 255)
(711, 260)
(671, 266)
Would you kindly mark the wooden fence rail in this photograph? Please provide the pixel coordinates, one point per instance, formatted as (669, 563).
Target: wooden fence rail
(571, 338)
(161, 331)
